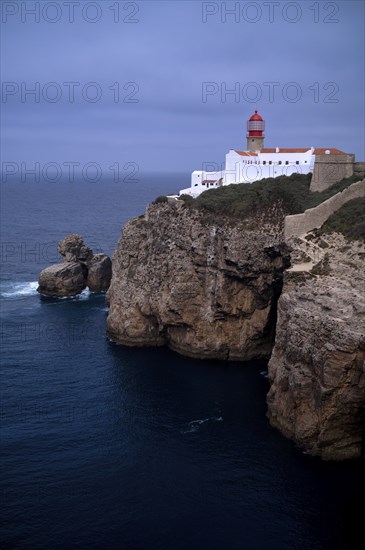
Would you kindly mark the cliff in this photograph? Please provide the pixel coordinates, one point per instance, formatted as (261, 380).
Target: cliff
(317, 372)
(204, 289)
(215, 287)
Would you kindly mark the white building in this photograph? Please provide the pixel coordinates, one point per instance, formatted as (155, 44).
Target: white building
(256, 163)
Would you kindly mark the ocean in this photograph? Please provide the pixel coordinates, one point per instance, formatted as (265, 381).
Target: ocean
(138, 449)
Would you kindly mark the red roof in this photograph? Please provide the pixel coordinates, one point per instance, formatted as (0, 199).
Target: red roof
(333, 151)
(246, 154)
(285, 150)
(320, 151)
(256, 116)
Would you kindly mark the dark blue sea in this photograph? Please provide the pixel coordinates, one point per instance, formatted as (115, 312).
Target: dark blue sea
(138, 449)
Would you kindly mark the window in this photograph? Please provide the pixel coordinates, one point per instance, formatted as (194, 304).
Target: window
(264, 162)
(279, 162)
(286, 162)
(270, 162)
(196, 185)
(297, 162)
(306, 161)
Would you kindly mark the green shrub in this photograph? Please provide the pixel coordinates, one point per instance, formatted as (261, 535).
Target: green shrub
(244, 200)
(187, 199)
(348, 220)
(287, 195)
(316, 198)
(160, 199)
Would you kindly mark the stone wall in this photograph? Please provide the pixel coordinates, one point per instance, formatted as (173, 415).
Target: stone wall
(299, 224)
(328, 169)
(359, 168)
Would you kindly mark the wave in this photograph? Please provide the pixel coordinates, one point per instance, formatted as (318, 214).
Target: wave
(19, 290)
(194, 425)
(15, 290)
(85, 294)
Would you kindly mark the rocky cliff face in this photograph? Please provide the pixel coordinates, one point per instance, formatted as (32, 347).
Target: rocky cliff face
(210, 289)
(205, 289)
(317, 372)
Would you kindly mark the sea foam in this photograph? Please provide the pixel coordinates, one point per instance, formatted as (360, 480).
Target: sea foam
(16, 290)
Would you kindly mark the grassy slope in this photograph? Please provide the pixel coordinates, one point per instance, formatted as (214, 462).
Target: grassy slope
(243, 201)
(349, 220)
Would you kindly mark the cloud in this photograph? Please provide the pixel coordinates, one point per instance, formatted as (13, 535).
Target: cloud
(169, 54)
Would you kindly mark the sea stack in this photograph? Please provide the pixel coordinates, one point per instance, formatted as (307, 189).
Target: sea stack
(80, 269)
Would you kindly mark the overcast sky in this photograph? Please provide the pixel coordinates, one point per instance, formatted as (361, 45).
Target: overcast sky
(164, 54)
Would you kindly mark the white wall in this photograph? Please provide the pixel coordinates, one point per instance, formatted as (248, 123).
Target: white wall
(242, 169)
(197, 177)
(246, 169)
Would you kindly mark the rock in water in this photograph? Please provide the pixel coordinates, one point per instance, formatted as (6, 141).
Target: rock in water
(73, 249)
(79, 269)
(99, 273)
(66, 279)
(205, 289)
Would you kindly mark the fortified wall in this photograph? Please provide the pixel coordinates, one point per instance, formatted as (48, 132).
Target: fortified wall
(328, 169)
(300, 224)
(359, 169)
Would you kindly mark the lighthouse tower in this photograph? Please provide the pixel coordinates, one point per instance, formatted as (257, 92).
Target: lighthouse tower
(255, 133)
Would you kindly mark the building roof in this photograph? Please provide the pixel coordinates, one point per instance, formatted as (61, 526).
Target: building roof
(285, 150)
(318, 151)
(256, 116)
(246, 153)
(322, 151)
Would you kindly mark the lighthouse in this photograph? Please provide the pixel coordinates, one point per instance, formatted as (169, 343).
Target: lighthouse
(255, 133)
(258, 163)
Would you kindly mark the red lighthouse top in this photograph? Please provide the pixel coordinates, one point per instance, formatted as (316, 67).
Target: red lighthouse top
(255, 125)
(256, 116)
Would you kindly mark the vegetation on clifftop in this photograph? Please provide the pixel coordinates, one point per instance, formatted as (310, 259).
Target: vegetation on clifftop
(244, 201)
(160, 199)
(348, 220)
(291, 193)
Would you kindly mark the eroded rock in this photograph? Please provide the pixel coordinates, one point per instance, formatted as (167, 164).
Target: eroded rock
(207, 290)
(73, 249)
(79, 269)
(99, 273)
(317, 371)
(66, 279)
